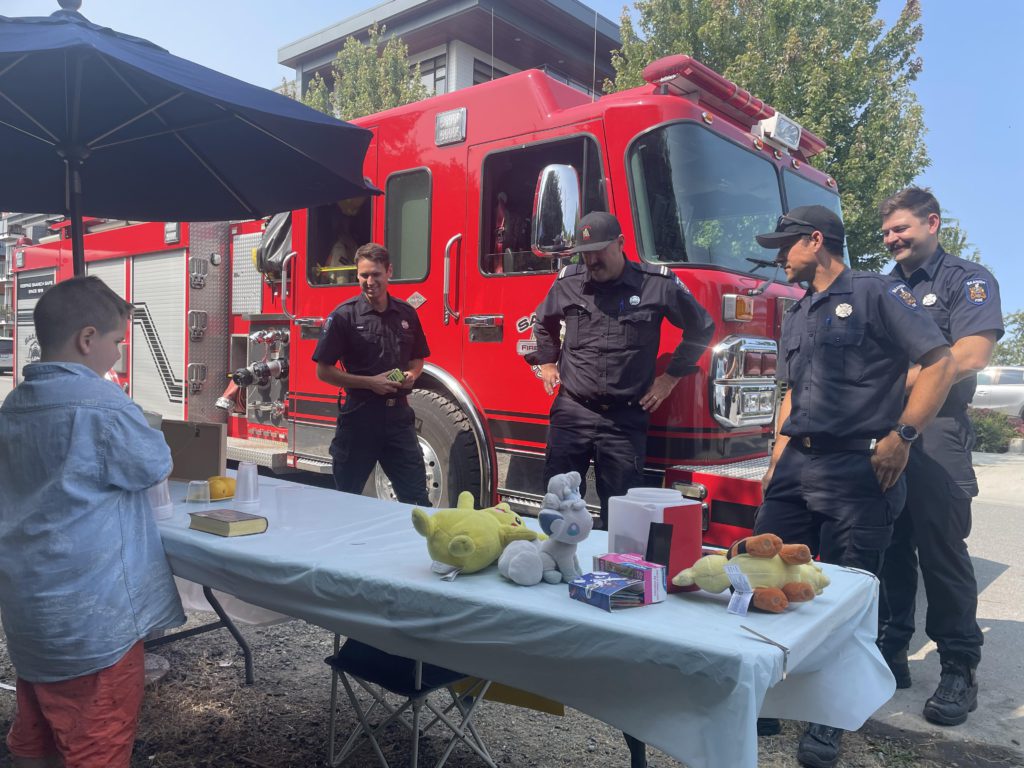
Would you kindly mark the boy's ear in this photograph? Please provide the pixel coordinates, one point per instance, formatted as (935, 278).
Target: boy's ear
(84, 339)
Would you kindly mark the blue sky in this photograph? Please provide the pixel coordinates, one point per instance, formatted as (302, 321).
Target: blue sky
(972, 108)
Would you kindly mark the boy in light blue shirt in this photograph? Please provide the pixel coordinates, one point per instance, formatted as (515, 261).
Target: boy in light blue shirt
(83, 575)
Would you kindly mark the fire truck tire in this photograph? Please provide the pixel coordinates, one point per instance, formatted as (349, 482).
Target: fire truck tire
(449, 451)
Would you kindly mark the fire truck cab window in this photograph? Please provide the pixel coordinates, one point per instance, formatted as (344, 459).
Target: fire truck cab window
(335, 232)
(700, 198)
(801, 191)
(407, 223)
(509, 184)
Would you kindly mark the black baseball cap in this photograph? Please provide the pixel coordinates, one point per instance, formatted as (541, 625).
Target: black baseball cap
(801, 221)
(596, 231)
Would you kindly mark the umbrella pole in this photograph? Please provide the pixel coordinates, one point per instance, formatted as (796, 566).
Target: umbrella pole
(77, 230)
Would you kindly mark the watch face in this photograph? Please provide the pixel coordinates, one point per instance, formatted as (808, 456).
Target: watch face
(907, 432)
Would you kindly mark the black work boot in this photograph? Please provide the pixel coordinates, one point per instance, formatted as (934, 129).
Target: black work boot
(899, 666)
(819, 746)
(769, 726)
(956, 695)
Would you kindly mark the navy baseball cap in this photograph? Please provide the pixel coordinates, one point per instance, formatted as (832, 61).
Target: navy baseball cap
(596, 231)
(802, 221)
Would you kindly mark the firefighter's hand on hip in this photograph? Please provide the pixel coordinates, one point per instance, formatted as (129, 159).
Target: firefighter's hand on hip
(381, 384)
(890, 459)
(659, 392)
(549, 375)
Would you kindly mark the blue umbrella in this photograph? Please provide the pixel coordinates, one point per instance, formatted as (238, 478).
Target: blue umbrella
(98, 123)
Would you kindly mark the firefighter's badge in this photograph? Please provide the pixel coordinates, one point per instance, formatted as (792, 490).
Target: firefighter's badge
(976, 290)
(902, 292)
(929, 299)
(844, 310)
(405, 325)
(585, 235)
(634, 301)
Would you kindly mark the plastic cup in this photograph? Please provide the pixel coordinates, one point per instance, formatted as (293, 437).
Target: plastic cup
(247, 483)
(198, 492)
(160, 500)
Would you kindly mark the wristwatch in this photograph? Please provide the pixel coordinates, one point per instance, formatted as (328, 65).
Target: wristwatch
(908, 432)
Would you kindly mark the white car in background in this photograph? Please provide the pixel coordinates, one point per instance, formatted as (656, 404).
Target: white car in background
(1001, 388)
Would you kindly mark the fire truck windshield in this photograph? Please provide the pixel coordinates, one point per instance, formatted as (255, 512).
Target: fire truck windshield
(700, 198)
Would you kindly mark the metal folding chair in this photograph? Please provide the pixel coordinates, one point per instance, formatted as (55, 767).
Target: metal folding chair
(377, 674)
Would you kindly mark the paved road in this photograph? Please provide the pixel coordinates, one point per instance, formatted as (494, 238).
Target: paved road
(996, 544)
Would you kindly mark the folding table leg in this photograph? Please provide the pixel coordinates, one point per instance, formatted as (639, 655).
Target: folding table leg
(637, 751)
(250, 677)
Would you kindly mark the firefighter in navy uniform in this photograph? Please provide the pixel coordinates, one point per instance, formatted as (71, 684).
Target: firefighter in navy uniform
(963, 298)
(612, 309)
(370, 335)
(604, 369)
(835, 477)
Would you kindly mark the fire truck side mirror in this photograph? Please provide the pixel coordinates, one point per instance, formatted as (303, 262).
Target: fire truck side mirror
(556, 211)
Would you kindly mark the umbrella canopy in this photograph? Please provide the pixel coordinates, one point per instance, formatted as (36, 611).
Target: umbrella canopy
(98, 123)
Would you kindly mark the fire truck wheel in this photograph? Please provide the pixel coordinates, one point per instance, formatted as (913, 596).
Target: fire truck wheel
(449, 451)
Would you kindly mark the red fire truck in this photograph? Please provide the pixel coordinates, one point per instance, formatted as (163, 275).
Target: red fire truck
(476, 184)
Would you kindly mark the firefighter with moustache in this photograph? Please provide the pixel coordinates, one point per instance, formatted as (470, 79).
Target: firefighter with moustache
(380, 343)
(604, 369)
(963, 298)
(835, 479)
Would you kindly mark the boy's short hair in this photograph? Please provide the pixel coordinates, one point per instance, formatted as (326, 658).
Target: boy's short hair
(373, 252)
(919, 201)
(71, 305)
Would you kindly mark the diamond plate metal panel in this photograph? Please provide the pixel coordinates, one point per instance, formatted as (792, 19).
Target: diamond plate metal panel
(206, 240)
(158, 333)
(246, 281)
(751, 469)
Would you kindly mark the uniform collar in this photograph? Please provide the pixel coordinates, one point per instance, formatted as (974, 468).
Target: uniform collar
(842, 284)
(632, 276)
(929, 268)
(363, 306)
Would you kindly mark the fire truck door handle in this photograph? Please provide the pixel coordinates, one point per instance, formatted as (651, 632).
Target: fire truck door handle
(449, 312)
(284, 284)
(489, 321)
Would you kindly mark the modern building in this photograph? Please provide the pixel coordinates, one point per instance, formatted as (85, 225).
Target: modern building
(15, 229)
(459, 43)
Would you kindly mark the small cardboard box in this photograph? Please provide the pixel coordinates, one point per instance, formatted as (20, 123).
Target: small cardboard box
(635, 567)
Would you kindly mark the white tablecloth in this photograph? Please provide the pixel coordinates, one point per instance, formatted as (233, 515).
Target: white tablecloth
(680, 675)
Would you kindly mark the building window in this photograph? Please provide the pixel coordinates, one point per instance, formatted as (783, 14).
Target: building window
(484, 73)
(434, 74)
(407, 223)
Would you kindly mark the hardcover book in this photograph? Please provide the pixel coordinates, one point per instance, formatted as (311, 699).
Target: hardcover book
(227, 522)
(607, 591)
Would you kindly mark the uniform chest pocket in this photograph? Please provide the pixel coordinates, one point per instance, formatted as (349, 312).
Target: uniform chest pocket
(941, 317)
(843, 353)
(580, 328)
(638, 328)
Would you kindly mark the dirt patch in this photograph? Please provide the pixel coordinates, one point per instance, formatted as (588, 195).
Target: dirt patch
(203, 715)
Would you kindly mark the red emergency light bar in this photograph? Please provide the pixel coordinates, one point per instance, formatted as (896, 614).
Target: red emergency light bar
(684, 74)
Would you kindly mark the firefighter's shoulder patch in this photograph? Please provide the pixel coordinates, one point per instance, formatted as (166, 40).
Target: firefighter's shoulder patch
(904, 294)
(976, 290)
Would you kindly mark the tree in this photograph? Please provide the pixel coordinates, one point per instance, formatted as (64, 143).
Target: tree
(1010, 349)
(954, 241)
(367, 77)
(829, 64)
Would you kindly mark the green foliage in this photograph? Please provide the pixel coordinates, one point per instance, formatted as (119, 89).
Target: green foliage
(954, 241)
(829, 64)
(368, 77)
(1010, 349)
(993, 430)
